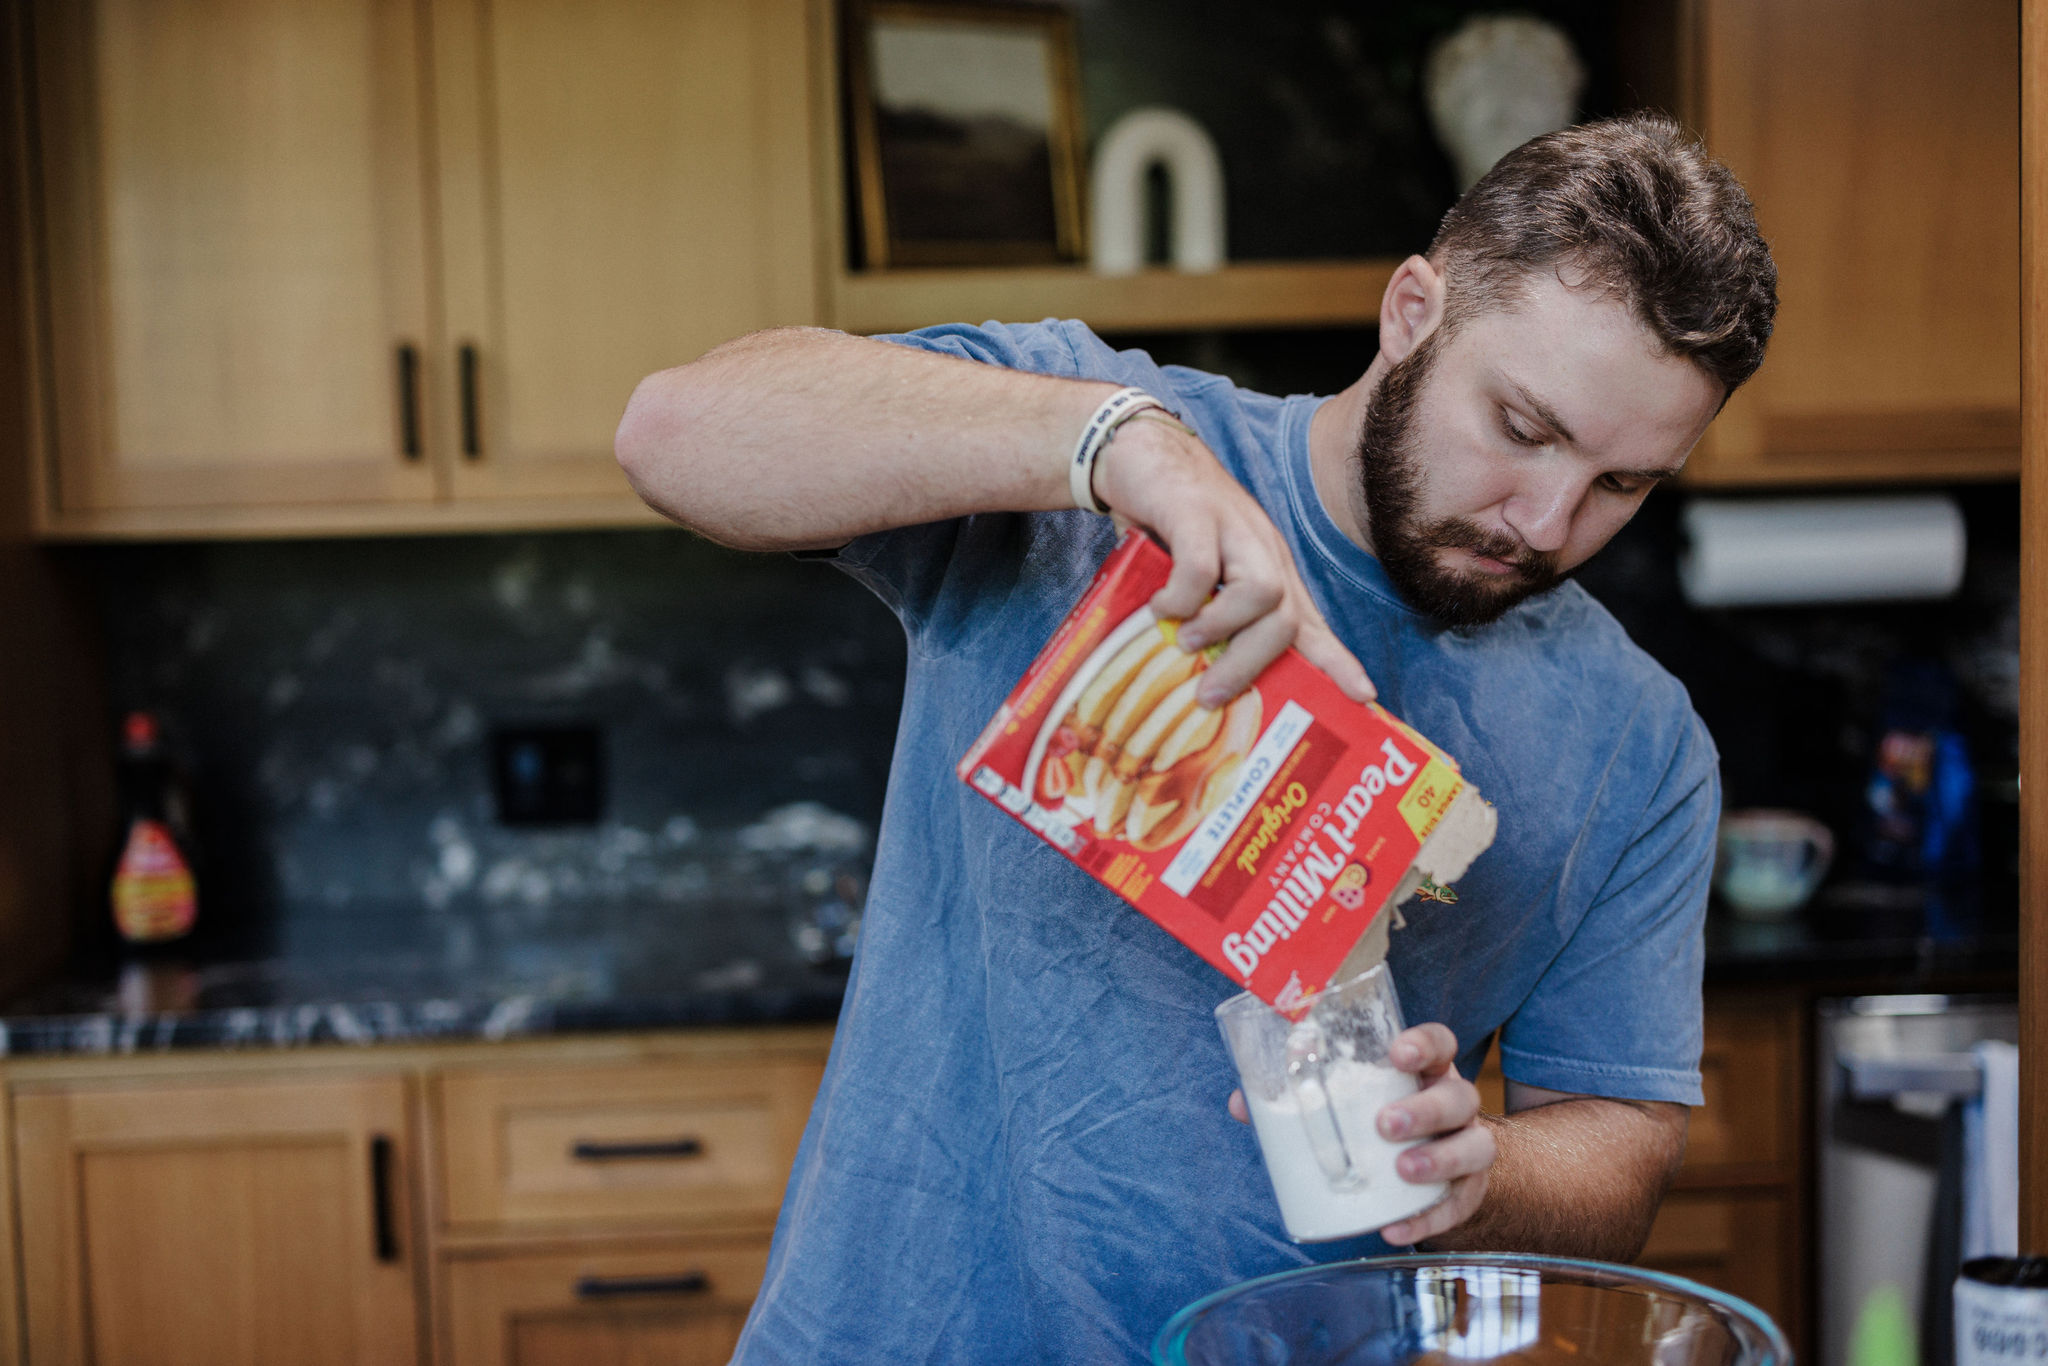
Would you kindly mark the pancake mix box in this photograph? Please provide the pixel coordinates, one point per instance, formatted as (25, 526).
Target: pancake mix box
(1273, 835)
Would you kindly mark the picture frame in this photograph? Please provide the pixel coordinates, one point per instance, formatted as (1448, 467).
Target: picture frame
(966, 121)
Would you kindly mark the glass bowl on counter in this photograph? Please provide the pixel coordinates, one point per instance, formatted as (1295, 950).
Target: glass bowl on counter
(1470, 1309)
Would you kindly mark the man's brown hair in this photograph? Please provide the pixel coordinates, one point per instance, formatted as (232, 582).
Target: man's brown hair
(1633, 205)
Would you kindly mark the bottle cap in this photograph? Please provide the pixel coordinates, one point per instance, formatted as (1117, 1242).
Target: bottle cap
(139, 731)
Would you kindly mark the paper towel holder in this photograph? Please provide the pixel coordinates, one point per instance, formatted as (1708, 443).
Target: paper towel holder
(1787, 552)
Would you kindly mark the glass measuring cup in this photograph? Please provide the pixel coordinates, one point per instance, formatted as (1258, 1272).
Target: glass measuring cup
(1315, 1087)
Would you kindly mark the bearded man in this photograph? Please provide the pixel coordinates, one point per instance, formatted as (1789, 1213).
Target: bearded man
(1021, 1149)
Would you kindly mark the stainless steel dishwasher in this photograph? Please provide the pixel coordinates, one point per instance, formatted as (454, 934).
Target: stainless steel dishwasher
(1891, 1071)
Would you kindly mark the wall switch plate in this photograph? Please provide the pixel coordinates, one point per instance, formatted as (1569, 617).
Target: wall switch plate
(547, 775)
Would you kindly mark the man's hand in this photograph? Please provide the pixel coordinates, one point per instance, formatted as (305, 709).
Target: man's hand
(1559, 1174)
(1460, 1151)
(1161, 477)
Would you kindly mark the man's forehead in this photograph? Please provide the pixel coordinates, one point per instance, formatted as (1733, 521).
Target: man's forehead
(1547, 311)
(1579, 361)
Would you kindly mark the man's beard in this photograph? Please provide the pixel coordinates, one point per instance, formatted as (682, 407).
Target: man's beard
(1391, 479)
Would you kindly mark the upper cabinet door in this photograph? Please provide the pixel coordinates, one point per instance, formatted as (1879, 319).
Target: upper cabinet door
(624, 186)
(235, 239)
(1880, 142)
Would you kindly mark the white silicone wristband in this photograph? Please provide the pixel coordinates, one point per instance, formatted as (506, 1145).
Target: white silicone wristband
(1119, 408)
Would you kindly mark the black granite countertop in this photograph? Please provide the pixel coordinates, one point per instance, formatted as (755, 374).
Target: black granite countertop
(178, 1003)
(660, 982)
(1844, 949)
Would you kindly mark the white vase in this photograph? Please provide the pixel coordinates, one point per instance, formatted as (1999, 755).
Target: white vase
(1132, 146)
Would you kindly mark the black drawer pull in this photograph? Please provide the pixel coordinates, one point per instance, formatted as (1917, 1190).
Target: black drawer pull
(409, 401)
(472, 437)
(384, 1223)
(590, 1150)
(626, 1287)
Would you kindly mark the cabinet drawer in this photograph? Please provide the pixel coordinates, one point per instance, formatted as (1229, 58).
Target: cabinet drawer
(680, 1301)
(632, 1143)
(1743, 1243)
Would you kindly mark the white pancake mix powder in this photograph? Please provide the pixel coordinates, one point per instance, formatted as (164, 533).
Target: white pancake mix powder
(1312, 1207)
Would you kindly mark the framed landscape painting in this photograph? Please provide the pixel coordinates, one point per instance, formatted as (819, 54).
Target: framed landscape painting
(967, 134)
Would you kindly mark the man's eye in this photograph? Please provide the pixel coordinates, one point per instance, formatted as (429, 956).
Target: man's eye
(1614, 483)
(1515, 432)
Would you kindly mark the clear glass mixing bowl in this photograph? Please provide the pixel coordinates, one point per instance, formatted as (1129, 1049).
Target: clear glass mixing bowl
(1462, 1310)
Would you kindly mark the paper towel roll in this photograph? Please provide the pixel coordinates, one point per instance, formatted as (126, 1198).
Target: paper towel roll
(1799, 550)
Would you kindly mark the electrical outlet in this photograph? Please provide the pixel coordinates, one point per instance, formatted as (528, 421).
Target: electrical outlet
(547, 775)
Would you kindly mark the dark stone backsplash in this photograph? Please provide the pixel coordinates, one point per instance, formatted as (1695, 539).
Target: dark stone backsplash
(333, 702)
(1795, 696)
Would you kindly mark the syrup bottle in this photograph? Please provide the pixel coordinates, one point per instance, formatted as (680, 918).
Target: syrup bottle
(153, 894)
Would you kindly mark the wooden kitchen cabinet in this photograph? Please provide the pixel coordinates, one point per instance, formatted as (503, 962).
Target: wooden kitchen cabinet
(598, 1200)
(679, 1303)
(1733, 1218)
(235, 226)
(625, 184)
(218, 1221)
(224, 1208)
(554, 1180)
(1879, 140)
(397, 264)
(1742, 1241)
(688, 1140)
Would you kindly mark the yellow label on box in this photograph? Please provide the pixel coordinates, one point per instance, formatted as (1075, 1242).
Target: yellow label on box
(1426, 799)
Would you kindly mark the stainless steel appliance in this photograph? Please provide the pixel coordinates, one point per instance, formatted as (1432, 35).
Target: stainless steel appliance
(1891, 1071)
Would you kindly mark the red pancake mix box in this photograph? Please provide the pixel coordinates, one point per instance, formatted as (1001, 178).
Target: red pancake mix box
(1268, 835)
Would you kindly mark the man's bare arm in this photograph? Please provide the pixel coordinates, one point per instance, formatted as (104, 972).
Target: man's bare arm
(800, 438)
(1573, 1176)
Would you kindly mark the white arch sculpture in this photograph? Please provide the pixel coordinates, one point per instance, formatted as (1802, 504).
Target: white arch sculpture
(1117, 191)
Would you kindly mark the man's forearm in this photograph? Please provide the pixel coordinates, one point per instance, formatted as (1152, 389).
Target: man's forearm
(1576, 1178)
(800, 437)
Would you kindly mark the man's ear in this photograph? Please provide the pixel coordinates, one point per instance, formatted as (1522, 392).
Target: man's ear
(1411, 308)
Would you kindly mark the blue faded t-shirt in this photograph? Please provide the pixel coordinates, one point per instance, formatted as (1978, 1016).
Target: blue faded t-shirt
(1020, 1150)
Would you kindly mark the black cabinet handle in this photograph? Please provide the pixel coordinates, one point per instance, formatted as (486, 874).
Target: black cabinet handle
(386, 1226)
(626, 1287)
(590, 1150)
(472, 438)
(409, 401)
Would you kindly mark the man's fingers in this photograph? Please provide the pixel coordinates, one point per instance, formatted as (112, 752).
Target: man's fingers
(1235, 606)
(1467, 1152)
(1233, 579)
(1248, 653)
(1197, 568)
(1238, 1111)
(1422, 1047)
(1320, 647)
(1448, 1103)
(1460, 1202)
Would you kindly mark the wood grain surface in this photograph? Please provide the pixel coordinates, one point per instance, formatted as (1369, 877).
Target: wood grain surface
(2034, 632)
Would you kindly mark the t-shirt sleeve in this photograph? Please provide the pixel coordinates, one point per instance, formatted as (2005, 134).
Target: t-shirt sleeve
(1047, 348)
(911, 568)
(1617, 1013)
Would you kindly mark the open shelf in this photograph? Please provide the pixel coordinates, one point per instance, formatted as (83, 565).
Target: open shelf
(1247, 295)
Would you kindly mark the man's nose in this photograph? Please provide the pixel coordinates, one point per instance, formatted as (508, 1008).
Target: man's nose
(1541, 511)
